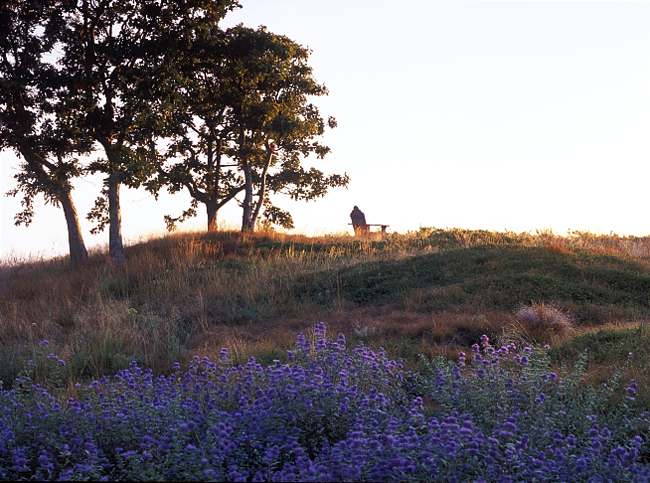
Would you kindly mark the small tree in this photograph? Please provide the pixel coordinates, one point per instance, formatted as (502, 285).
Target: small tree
(248, 127)
(30, 121)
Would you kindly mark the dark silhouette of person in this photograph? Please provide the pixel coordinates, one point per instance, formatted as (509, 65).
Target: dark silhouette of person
(359, 221)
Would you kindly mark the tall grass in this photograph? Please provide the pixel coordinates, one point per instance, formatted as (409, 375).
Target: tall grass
(187, 294)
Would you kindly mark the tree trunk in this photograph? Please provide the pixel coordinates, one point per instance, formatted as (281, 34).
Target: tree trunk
(247, 222)
(115, 246)
(213, 210)
(262, 191)
(78, 252)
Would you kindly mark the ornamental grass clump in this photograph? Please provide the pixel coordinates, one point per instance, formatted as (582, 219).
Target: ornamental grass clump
(329, 413)
(546, 319)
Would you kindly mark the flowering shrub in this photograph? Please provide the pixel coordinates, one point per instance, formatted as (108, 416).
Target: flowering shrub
(329, 414)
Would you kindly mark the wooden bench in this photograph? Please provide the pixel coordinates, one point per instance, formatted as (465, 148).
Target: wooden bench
(365, 228)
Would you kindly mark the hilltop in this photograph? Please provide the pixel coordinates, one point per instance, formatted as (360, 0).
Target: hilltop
(431, 292)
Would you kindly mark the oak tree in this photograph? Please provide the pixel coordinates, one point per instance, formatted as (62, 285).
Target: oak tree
(31, 122)
(249, 126)
(119, 55)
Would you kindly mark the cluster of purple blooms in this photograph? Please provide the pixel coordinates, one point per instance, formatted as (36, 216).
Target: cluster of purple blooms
(329, 414)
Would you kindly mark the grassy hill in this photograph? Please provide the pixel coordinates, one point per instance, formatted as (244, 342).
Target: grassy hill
(432, 292)
(488, 276)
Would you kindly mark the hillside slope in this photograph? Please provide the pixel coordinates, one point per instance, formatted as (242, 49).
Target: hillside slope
(427, 292)
(488, 276)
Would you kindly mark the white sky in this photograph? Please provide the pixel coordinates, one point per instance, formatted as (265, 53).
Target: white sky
(493, 115)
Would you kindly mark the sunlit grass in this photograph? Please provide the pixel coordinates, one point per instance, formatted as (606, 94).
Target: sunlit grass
(431, 292)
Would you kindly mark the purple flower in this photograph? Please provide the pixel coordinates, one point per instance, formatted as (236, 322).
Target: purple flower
(473, 448)
(44, 343)
(523, 443)
(61, 361)
(484, 339)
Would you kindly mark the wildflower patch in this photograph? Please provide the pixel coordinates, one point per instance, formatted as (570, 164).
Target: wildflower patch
(330, 413)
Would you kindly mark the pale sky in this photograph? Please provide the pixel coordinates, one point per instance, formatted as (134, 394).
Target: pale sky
(484, 115)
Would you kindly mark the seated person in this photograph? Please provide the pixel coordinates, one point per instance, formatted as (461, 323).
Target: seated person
(359, 222)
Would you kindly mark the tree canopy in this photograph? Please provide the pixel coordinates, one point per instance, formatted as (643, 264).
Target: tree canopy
(164, 98)
(248, 126)
(31, 121)
(120, 55)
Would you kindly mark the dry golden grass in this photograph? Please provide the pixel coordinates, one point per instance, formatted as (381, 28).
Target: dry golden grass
(611, 244)
(148, 307)
(185, 294)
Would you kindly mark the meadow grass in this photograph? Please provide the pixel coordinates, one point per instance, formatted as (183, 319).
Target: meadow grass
(423, 297)
(428, 292)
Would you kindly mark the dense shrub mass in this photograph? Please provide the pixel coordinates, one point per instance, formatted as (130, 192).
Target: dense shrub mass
(329, 414)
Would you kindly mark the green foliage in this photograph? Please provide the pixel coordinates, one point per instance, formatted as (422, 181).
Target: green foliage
(245, 125)
(75, 76)
(32, 121)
